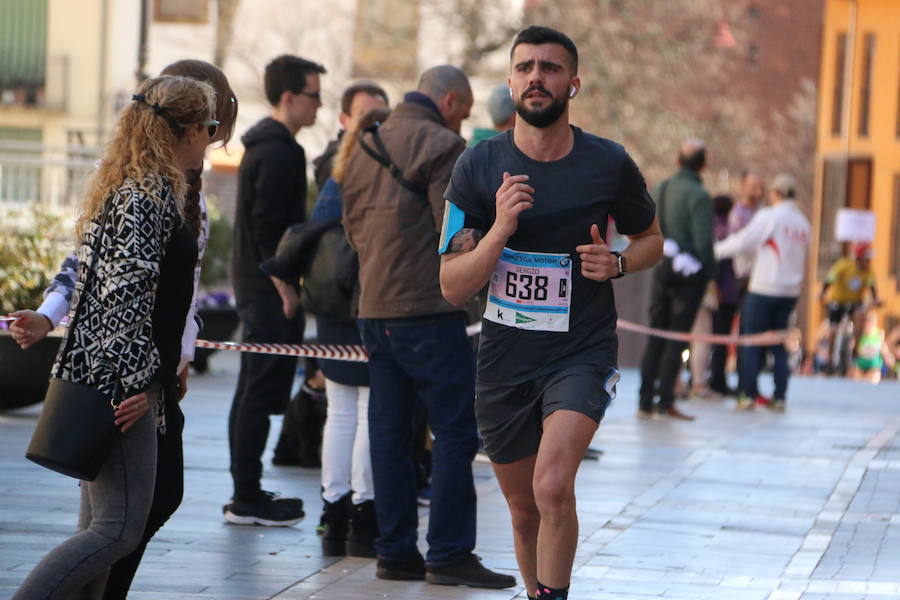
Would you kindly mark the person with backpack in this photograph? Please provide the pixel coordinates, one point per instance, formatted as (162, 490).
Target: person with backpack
(318, 252)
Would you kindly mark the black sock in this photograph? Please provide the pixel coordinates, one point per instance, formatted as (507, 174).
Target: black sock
(548, 593)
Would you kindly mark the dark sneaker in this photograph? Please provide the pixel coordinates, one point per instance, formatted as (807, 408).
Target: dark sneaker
(335, 517)
(298, 502)
(362, 530)
(468, 571)
(410, 569)
(268, 511)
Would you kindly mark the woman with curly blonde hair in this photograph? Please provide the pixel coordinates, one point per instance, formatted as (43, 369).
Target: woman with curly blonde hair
(135, 279)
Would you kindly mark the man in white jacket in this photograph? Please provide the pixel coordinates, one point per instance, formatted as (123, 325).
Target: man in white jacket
(779, 234)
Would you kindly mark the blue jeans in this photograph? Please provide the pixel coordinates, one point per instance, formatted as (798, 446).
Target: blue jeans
(428, 359)
(764, 313)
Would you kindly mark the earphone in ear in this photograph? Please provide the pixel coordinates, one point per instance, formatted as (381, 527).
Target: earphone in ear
(572, 92)
(511, 93)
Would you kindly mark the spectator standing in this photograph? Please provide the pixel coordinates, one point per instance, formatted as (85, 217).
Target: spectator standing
(679, 281)
(271, 198)
(727, 285)
(393, 210)
(751, 198)
(502, 109)
(358, 99)
(348, 493)
(779, 236)
(137, 254)
(35, 325)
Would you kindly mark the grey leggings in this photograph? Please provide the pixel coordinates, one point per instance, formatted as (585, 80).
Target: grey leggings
(114, 509)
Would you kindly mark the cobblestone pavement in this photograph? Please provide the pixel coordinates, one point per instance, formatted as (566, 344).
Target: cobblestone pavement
(734, 506)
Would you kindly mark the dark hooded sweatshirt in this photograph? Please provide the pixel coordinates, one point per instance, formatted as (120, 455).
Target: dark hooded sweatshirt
(271, 198)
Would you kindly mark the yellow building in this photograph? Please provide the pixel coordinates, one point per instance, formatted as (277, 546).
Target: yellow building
(66, 69)
(858, 148)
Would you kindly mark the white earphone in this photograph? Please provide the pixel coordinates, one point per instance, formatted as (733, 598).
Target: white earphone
(511, 93)
(572, 92)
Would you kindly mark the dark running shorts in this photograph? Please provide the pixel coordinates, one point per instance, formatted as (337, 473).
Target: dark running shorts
(510, 418)
(836, 311)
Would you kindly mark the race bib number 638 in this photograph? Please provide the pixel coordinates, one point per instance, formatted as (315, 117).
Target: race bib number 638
(531, 290)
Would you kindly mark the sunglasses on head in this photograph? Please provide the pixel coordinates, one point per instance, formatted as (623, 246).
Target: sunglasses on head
(212, 127)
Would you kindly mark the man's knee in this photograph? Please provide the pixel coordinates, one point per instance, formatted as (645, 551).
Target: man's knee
(554, 495)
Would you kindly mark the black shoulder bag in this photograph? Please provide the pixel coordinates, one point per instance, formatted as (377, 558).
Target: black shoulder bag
(384, 159)
(77, 424)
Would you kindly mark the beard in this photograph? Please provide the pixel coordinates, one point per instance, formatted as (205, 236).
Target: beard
(541, 117)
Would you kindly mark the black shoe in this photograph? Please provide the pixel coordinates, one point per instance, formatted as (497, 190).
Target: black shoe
(362, 531)
(468, 571)
(724, 390)
(297, 502)
(266, 510)
(409, 569)
(334, 517)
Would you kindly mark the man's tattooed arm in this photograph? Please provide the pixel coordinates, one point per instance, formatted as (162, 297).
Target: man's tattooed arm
(465, 240)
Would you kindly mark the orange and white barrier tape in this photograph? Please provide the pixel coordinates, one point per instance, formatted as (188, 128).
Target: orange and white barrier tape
(357, 353)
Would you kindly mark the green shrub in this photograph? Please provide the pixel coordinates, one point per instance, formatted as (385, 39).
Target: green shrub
(30, 255)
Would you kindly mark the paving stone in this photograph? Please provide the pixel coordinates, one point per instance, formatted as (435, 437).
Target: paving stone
(799, 506)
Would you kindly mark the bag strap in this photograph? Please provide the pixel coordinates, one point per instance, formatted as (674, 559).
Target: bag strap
(383, 158)
(95, 247)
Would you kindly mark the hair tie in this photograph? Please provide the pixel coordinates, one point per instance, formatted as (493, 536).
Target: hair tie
(157, 109)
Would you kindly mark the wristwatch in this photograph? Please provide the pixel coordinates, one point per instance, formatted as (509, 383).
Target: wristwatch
(620, 263)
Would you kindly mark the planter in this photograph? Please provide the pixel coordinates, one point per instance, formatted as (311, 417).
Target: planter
(25, 374)
(219, 325)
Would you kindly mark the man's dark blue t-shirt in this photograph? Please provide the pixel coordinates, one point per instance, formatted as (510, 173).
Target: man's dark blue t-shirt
(538, 281)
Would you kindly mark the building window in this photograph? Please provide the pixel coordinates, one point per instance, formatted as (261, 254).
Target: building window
(20, 165)
(865, 92)
(834, 191)
(23, 51)
(181, 11)
(837, 105)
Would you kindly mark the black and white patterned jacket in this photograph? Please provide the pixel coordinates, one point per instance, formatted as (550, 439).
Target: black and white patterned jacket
(112, 349)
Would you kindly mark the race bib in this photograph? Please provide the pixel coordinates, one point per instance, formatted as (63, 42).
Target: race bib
(531, 290)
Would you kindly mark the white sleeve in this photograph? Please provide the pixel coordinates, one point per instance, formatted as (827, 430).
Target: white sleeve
(55, 306)
(747, 239)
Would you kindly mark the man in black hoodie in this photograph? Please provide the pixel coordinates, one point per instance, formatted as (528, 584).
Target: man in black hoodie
(271, 198)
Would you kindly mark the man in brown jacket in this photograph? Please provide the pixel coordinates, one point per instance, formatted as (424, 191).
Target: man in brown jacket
(393, 211)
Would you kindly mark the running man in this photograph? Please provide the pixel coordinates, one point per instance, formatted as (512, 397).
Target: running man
(524, 212)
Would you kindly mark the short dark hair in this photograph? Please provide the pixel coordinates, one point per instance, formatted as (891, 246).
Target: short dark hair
(288, 74)
(722, 205)
(361, 87)
(537, 34)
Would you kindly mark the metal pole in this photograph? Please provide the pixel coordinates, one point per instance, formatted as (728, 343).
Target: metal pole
(101, 80)
(140, 73)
